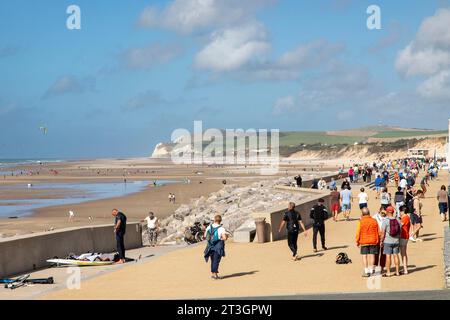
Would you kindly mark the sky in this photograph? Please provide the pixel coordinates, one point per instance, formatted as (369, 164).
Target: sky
(137, 70)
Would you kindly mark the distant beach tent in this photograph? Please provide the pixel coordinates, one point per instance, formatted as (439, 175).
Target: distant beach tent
(43, 129)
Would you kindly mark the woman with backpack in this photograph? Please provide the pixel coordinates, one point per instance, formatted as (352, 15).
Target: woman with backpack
(216, 236)
(390, 240)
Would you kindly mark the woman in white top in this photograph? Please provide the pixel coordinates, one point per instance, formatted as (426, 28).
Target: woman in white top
(363, 199)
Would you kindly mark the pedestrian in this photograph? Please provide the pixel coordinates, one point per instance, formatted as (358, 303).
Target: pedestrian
(416, 217)
(390, 239)
(378, 182)
(385, 198)
(363, 199)
(442, 198)
(346, 183)
(120, 226)
(216, 236)
(424, 183)
(332, 184)
(346, 200)
(380, 258)
(322, 184)
(351, 173)
(319, 214)
(152, 228)
(298, 180)
(367, 239)
(293, 220)
(404, 237)
(335, 197)
(399, 199)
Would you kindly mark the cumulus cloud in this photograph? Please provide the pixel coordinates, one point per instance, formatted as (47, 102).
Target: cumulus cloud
(428, 55)
(187, 16)
(315, 54)
(69, 84)
(232, 48)
(144, 58)
(338, 85)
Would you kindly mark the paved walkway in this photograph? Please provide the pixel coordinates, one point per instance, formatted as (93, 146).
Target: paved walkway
(266, 270)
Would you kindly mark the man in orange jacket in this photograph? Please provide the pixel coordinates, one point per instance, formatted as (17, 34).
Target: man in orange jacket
(367, 238)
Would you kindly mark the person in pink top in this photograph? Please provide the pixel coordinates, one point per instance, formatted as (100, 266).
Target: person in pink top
(351, 173)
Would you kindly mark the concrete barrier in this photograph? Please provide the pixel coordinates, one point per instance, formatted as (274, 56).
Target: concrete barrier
(275, 215)
(29, 252)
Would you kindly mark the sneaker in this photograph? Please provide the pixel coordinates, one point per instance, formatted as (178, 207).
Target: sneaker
(325, 248)
(366, 275)
(412, 239)
(315, 250)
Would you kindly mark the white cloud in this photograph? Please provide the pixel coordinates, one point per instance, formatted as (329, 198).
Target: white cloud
(70, 84)
(424, 61)
(148, 56)
(232, 48)
(187, 16)
(437, 86)
(428, 55)
(285, 105)
(338, 86)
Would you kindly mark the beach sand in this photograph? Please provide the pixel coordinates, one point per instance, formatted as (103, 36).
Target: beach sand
(136, 205)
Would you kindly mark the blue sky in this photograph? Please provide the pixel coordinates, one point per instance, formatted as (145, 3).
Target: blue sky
(137, 70)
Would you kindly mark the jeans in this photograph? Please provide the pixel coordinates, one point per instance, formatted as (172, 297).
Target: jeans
(120, 245)
(292, 242)
(215, 261)
(319, 229)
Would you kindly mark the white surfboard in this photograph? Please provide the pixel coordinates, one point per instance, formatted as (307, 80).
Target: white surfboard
(71, 262)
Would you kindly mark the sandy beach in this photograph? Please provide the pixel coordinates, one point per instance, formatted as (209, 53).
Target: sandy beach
(203, 181)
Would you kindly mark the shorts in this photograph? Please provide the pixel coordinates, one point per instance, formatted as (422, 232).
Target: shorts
(371, 249)
(443, 207)
(391, 248)
(415, 219)
(362, 205)
(403, 242)
(346, 206)
(335, 207)
(378, 189)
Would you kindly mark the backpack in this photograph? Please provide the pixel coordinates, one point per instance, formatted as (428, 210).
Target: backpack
(342, 258)
(212, 236)
(394, 227)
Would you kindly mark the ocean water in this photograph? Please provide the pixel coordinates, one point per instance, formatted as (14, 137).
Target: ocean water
(83, 192)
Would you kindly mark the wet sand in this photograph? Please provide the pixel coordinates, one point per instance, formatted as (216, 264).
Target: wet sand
(203, 181)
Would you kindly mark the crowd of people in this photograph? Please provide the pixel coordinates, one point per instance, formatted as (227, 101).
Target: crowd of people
(382, 237)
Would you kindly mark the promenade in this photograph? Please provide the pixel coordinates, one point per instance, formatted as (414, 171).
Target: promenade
(252, 270)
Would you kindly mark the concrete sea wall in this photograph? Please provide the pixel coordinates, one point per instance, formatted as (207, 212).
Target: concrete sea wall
(29, 252)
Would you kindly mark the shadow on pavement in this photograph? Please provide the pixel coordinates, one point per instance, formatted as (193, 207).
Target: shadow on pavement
(421, 268)
(239, 274)
(311, 256)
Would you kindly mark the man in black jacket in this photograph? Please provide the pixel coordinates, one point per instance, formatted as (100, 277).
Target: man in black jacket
(319, 214)
(293, 220)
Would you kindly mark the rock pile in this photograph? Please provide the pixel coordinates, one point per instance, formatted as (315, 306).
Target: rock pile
(234, 203)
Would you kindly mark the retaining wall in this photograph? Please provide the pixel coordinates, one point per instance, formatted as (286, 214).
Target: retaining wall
(25, 253)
